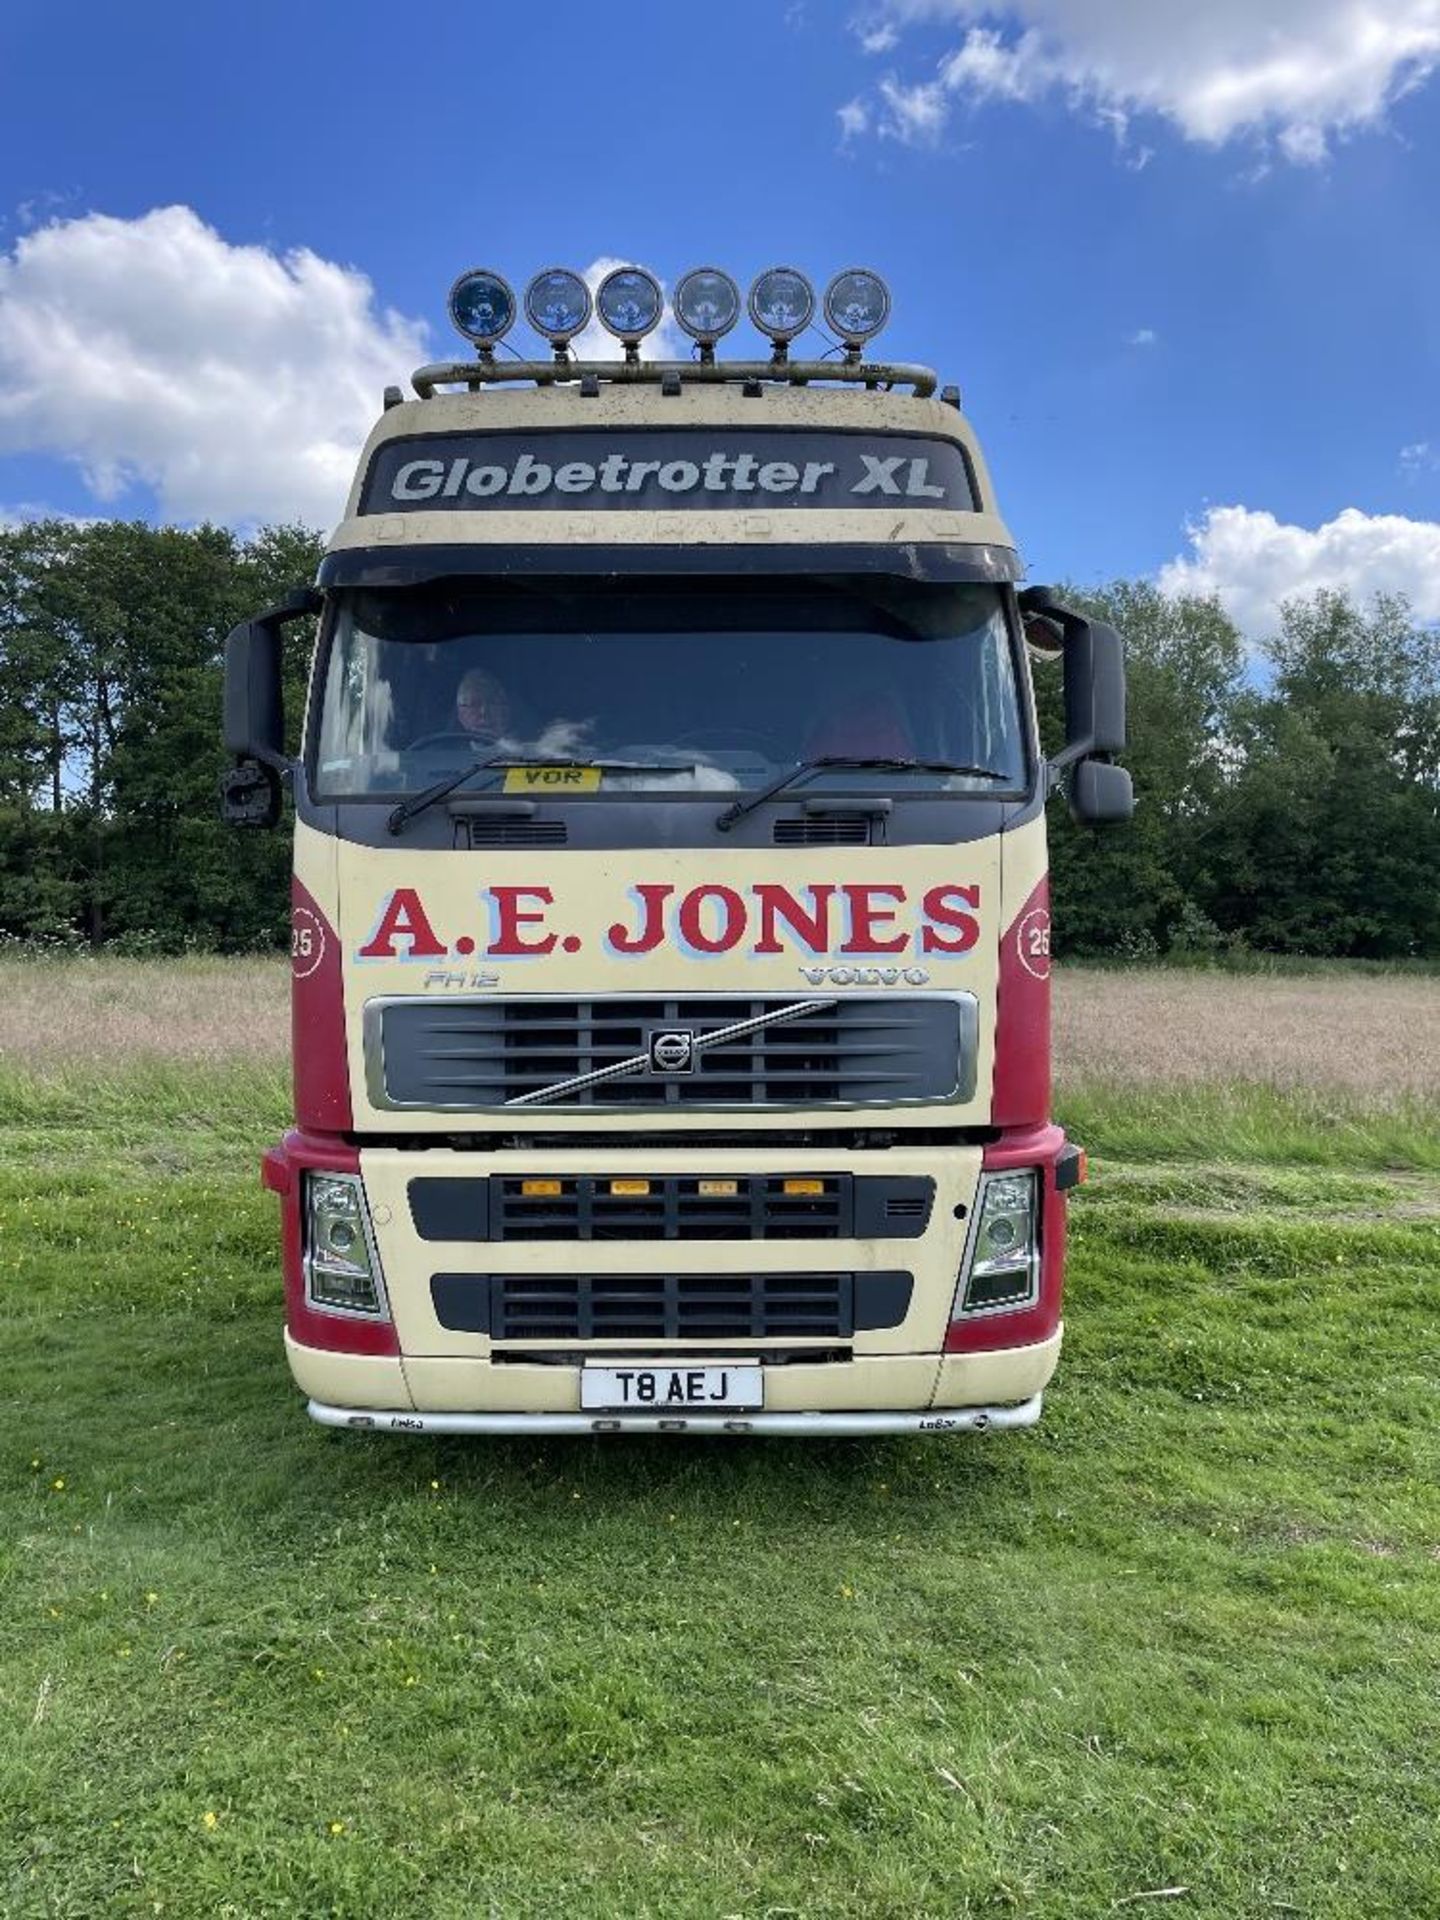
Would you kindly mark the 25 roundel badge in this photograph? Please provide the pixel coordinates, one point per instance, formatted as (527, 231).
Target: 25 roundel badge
(1032, 942)
(307, 942)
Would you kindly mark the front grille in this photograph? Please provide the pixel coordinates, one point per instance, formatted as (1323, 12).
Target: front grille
(856, 1050)
(644, 1307)
(673, 1209)
(700, 1206)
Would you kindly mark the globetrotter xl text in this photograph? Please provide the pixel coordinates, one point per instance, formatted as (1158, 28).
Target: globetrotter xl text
(665, 469)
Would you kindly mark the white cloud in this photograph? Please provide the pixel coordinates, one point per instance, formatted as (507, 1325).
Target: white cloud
(879, 39)
(24, 513)
(1298, 72)
(1251, 561)
(1419, 457)
(854, 118)
(914, 114)
(665, 343)
(236, 382)
(1142, 337)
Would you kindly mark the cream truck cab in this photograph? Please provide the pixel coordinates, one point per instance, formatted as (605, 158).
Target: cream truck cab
(671, 934)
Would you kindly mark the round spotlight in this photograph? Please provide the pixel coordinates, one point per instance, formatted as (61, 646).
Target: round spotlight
(781, 303)
(707, 304)
(557, 304)
(857, 305)
(629, 302)
(482, 306)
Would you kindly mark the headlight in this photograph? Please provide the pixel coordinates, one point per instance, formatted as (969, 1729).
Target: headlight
(1002, 1270)
(342, 1272)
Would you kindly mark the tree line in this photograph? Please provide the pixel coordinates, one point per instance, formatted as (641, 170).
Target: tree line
(1289, 805)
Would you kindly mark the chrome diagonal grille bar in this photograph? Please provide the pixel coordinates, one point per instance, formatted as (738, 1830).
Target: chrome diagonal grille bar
(638, 1062)
(596, 1053)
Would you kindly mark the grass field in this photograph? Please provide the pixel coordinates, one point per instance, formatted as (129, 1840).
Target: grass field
(1176, 1650)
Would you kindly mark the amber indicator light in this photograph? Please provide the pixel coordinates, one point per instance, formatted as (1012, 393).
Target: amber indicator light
(804, 1186)
(540, 1189)
(630, 1186)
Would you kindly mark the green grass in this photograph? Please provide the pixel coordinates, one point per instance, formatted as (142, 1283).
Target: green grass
(1185, 1635)
(1219, 1125)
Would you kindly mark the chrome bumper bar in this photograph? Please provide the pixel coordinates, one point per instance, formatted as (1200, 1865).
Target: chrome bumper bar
(818, 1426)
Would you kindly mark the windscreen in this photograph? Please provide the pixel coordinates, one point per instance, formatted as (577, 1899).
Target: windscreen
(696, 686)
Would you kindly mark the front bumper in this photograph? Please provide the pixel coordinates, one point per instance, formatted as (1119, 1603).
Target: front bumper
(816, 1426)
(893, 1393)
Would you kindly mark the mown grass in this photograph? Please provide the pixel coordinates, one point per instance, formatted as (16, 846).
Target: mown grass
(1175, 1649)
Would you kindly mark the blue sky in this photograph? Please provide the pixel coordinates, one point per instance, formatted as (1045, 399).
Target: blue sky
(1180, 268)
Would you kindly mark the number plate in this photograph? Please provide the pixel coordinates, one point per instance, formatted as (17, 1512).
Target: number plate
(638, 1386)
(553, 779)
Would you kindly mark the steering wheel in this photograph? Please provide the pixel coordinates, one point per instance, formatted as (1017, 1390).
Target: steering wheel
(476, 744)
(744, 737)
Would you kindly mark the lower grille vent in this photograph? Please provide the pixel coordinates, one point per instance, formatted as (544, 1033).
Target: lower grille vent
(644, 1307)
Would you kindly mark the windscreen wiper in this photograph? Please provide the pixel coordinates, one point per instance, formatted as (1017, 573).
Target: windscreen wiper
(882, 764)
(418, 802)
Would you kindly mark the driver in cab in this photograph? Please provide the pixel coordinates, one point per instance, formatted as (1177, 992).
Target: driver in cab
(482, 707)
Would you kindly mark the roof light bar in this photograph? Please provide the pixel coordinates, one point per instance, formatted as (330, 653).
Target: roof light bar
(630, 303)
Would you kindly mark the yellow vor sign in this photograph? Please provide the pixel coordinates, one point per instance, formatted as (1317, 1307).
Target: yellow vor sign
(552, 779)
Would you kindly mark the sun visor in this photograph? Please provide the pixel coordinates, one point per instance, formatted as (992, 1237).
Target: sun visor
(935, 561)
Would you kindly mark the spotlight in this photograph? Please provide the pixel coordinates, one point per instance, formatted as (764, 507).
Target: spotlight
(781, 303)
(629, 302)
(482, 307)
(857, 305)
(557, 305)
(707, 304)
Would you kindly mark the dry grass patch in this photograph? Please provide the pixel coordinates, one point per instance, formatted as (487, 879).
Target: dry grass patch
(1368, 1036)
(1374, 1038)
(103, 1013)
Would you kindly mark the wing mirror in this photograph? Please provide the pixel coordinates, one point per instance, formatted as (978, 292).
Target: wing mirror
(254, 718)
(1101, 793)
(1094, 667)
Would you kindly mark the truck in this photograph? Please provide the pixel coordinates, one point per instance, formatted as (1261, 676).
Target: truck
(670, 928)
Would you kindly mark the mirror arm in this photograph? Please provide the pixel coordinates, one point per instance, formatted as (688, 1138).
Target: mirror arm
(294, 606)
(1072, 751)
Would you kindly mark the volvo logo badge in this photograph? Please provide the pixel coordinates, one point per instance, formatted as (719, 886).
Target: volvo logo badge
(671, 1050)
